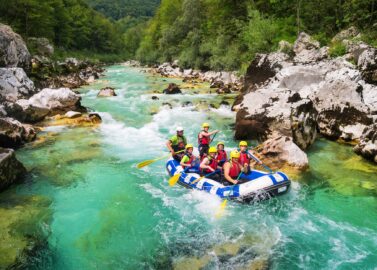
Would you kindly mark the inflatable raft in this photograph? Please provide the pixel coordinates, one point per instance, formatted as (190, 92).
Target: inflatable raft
(258, 185)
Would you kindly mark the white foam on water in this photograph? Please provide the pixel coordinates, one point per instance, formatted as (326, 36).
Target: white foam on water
(159, 194)
(224, 111)
(206, 204)
(55, 128)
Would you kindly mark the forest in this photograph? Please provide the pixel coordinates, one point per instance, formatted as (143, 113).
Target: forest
(203, 34)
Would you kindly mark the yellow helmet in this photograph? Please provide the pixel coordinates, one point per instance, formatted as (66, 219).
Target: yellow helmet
(189, 145)
(220, 143)
(243, 143)
(212, 150)
(234, 154)
(204, 125)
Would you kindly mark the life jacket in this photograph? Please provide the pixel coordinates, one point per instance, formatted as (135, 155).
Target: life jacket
(204, 140)
(191, 160)
(212, 164)
(180, 146)
(234, 170)
(244, 158)
(221, 155)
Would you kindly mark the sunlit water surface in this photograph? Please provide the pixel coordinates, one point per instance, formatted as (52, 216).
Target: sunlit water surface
(106, 214)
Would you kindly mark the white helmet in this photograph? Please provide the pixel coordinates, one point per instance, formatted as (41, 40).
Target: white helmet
(179, 128)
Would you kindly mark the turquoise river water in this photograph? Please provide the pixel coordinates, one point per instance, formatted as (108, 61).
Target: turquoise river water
(106, 214)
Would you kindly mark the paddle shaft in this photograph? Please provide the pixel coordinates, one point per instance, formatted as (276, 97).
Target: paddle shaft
(258, 160)
(200, 178)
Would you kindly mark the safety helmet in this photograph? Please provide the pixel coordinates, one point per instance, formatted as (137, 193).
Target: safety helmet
(219, 143)
(179, 128)
(189, 145)
(212, 150)
(204, 125)
(234, 154)
(243, 143)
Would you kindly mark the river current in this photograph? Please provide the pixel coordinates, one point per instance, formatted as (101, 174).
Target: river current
(104, 213)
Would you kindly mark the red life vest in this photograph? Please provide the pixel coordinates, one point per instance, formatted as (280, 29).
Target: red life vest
(191, 160)
(244, 158)
(234, 170)
(221, 155)
(204, 140)
(212, 164)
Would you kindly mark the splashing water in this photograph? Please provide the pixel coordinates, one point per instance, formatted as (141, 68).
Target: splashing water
(106, 214)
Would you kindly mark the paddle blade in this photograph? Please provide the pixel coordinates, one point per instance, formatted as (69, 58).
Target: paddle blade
(220, 211)
(197, 180)
(145, 163)
(173, 180)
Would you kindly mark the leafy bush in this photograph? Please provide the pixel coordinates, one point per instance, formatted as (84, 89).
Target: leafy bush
(337, 49)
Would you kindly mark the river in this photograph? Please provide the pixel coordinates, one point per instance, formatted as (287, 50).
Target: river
(100, 212)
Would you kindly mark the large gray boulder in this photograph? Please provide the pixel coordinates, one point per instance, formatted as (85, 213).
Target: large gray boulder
(11, 170)
(56, 100)
(107, 92)
(15, 84)
(13, 50)
(308, 50)
(13, 133)
(280, 151)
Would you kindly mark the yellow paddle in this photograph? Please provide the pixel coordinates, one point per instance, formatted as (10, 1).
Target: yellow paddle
(150, 161)
(220, 211)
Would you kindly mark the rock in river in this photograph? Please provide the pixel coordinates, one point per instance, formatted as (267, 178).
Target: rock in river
(107, 92)
(13, 133)
(15, 84)
(172, 89)
(11, 170)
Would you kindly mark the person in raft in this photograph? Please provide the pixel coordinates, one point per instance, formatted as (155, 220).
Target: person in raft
(209, 165)
(232, 168)
(221, 156)
(204, 139)
(246, 157)
(188, 161)
(177, 143)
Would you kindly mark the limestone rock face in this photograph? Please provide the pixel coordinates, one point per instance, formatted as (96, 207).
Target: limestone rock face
(367, 146)
(11, 170)
(13, 50)
(56, 100)
(367, 63)
(13, 133)
(281, 151)
(15, 84)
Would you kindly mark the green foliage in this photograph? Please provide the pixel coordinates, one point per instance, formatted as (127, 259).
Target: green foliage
(70, 24)
(337, 49)
(118, 9)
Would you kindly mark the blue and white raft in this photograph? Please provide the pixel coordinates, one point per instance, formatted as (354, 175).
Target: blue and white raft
(261, 185)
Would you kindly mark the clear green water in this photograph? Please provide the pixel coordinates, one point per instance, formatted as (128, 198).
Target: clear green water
(106, 214)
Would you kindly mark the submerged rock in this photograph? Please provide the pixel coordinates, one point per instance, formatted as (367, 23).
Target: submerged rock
(107, 92)
(11, 170)
(15, 84)
(75, 119)
(172, 89)
(281, 151)
(13, 133)
(13, 50)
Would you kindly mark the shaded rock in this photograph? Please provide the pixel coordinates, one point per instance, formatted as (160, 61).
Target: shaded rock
(367, 63)
(32, 113)
(155, 98)
(367, 147)
(41, 46)
(57, 100)
(223, 90)
(15, 84)
(172, 89)
(13, 133)
(216, 84)
(107, 92)
(11, 170)
(263, 68)
(349, 33)
(281, 151)
(305, 42)
(13, 50)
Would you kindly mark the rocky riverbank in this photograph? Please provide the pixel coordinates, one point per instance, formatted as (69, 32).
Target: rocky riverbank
(34, 88)
(301, 92)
